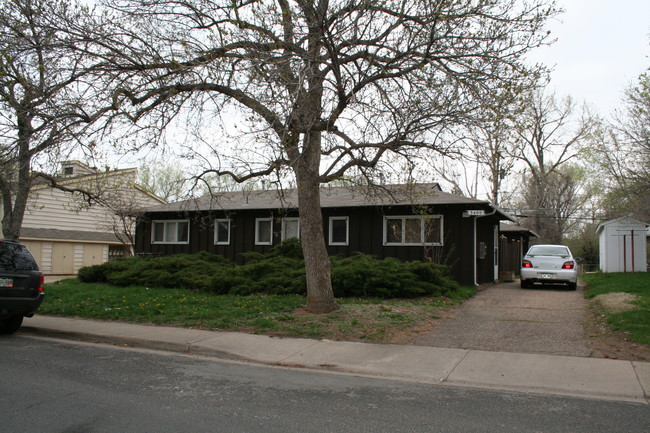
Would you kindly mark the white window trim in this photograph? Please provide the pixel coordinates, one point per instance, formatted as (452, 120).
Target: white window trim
(286, 219)
(422, 219)
(216, 231)
(347, 230)
(257, 233)
(165, 225)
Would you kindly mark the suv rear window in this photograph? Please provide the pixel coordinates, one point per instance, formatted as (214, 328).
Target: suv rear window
(16, 257)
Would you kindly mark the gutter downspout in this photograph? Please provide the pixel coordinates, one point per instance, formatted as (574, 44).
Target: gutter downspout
(494, 210)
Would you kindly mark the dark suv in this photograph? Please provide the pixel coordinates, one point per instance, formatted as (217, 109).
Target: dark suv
(21, 285)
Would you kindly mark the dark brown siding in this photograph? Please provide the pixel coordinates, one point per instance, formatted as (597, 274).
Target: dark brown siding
(485, 255)
(460, 244)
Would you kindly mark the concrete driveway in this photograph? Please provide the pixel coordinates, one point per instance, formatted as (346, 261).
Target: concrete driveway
(507, 318)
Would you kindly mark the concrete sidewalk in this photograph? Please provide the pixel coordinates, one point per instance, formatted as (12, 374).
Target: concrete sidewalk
(530, 373)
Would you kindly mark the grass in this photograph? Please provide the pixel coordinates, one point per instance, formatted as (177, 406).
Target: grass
(635, 323)
(372, 320)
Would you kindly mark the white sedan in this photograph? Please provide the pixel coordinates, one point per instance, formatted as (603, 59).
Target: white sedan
(549, 264)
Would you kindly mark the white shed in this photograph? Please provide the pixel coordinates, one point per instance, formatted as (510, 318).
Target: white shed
(623, 245)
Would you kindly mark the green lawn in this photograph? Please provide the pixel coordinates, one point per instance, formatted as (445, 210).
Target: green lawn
(372, 320)
(636, 323)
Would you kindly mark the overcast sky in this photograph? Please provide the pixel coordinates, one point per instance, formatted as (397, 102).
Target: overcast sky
(602, 46)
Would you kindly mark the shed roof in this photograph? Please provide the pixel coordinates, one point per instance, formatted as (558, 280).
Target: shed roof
(629, 221)
(331, 197)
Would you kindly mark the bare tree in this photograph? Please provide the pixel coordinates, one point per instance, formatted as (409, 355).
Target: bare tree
(45, 97)
(325, 86)
(483, 152)
(492, 151)
(556, 204)
(168, 181)
(549, 133)
(624, 155)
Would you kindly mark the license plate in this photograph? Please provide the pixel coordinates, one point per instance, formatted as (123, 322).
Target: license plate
(6, 282)
(547, 275)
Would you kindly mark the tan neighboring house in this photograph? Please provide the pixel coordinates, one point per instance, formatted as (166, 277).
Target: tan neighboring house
(64, 231)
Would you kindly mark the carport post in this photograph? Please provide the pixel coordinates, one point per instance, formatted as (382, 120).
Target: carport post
(632, 251)
(625, 251)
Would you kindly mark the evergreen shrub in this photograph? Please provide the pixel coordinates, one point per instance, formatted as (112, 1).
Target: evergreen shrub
(98, 273)
(363, 275)
(280, 272)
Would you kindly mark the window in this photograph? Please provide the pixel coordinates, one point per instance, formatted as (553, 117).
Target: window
(339, 231)
(171, 232)
(433, 230)
(548, 250)
(290, 228)
(222, 232)
(413, 230)
(263, 231)
(16, 257)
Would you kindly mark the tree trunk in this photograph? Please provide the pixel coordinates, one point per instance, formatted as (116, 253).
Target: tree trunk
(12, 219)
(8, 231)
(320, 296)
(17, 184)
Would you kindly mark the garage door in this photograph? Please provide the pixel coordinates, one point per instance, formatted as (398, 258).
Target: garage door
(35, 248)
(93, 254)
(62, 258)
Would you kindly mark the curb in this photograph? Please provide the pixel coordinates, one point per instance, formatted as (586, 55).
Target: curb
(594, 378)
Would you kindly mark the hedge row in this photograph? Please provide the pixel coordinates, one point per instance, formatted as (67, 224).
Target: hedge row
(280, 272)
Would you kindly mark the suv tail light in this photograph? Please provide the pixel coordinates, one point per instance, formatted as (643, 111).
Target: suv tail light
(568, 265)
(41, 283)
(526, 264)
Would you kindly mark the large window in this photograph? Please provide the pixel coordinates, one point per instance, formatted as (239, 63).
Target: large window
(263, 231)
(171, 232)
(222, 232)
(413, 230)
(338, 231)
(290, 228)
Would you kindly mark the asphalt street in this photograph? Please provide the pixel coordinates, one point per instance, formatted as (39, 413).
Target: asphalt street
(49, 385)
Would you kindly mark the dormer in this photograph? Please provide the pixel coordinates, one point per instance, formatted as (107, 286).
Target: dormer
(76, 168)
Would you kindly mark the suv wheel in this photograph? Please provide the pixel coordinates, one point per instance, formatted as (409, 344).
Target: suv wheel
(11, 325)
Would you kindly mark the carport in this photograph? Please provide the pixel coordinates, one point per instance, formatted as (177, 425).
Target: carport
(514, 241)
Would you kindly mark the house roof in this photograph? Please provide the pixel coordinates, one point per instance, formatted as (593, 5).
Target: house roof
(40, 182)
(331, 197)
(92, 174)
(629, 221)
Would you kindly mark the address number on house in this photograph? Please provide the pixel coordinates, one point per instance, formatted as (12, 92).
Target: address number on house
(474, 212)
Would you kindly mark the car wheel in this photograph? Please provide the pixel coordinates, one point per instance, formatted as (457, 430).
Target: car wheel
(525, 284)
(11, 325)
(573, 286)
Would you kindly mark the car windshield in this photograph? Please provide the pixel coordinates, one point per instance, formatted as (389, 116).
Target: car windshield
(549, 250)
(16, 257)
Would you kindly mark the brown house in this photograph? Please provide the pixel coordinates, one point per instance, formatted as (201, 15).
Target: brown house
(410, 222)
